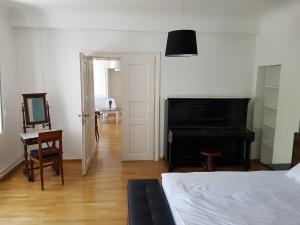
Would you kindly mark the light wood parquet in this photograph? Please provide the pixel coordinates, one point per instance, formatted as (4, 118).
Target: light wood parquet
(98, 198)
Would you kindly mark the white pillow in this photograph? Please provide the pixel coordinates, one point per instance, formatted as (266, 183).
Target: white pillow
(294, 172)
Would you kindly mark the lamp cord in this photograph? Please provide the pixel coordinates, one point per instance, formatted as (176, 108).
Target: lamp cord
(183, 5)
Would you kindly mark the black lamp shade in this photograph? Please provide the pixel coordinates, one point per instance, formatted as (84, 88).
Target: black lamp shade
(181, 43)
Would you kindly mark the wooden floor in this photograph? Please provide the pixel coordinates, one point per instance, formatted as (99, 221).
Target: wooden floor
(98, 198)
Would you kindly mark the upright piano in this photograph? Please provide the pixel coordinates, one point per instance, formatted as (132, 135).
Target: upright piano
(195, 123)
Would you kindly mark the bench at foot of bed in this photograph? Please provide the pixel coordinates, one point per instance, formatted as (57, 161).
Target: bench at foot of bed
(147, 204)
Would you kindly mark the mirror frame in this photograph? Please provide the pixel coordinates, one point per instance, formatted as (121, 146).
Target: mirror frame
(25, 102)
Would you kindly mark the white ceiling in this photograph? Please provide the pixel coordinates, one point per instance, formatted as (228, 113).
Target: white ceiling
(228, 8)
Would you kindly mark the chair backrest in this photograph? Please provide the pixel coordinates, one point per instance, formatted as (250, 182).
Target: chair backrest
(53, 139)
(110, 103)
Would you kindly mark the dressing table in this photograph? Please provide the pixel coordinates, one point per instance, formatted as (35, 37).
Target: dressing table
(35, 111)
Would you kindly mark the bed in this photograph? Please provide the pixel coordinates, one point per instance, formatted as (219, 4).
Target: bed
(236, 198)
(218, 198)
(233, 198)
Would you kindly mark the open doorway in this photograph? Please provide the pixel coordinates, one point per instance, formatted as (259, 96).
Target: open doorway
(108, 102)
(108, 88)
(126, 102)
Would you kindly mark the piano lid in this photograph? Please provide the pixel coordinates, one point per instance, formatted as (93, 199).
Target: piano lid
(208, 112)
(203, 97)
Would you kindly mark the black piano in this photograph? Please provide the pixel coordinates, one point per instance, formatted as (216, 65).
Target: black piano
(195, 123)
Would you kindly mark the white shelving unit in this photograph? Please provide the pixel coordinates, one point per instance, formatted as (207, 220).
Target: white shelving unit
(272, 81)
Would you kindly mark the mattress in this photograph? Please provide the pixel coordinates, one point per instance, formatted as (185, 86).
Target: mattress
(233, 198)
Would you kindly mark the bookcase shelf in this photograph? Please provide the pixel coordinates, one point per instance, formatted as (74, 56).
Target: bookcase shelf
(273, 87)
(271, 90)
(272, 107)
(270, 125)
(269, 144)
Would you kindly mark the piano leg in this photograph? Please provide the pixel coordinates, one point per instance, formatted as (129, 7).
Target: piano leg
(247, 156)
(170, 158)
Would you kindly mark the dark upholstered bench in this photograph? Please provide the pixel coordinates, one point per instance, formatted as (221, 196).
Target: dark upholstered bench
(147, 204)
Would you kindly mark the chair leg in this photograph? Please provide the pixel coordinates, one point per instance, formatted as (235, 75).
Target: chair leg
(42, 175)
(61, 171)
(209, 164)
(204, 165)
(57, 167)
(31, 170)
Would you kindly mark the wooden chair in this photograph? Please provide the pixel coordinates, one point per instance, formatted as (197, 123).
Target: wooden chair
(51, 155)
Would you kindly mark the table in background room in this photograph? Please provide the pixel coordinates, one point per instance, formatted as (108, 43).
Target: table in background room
(116, 111)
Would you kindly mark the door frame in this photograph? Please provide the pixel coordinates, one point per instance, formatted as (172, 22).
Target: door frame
(157, 87)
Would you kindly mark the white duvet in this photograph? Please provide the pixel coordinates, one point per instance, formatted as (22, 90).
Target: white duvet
(233, 198)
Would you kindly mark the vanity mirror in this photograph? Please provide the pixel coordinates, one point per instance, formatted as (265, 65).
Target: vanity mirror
(35, 110)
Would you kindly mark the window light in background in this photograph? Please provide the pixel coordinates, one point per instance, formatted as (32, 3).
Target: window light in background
(100, 78)
(115, 64)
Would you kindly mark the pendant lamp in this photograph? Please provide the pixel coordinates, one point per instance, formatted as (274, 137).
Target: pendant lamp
(181, 43)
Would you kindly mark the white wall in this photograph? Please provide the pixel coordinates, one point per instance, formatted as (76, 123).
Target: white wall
(100, 102)
(122, 20)
(279, 43)
(48, 60)
(10, 146)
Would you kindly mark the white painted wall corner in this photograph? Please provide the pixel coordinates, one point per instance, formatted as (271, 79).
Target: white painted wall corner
(11, 165)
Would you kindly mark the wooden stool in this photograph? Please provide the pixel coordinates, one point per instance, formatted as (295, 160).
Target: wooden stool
(210, 154)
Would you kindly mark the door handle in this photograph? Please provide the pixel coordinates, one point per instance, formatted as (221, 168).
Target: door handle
(83, 115)
(82, 118)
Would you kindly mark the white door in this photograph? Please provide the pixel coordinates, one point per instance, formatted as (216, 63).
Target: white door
(138, 73)
(87, 115)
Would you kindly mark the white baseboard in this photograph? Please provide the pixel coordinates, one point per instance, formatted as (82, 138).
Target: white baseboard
(10, 166)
